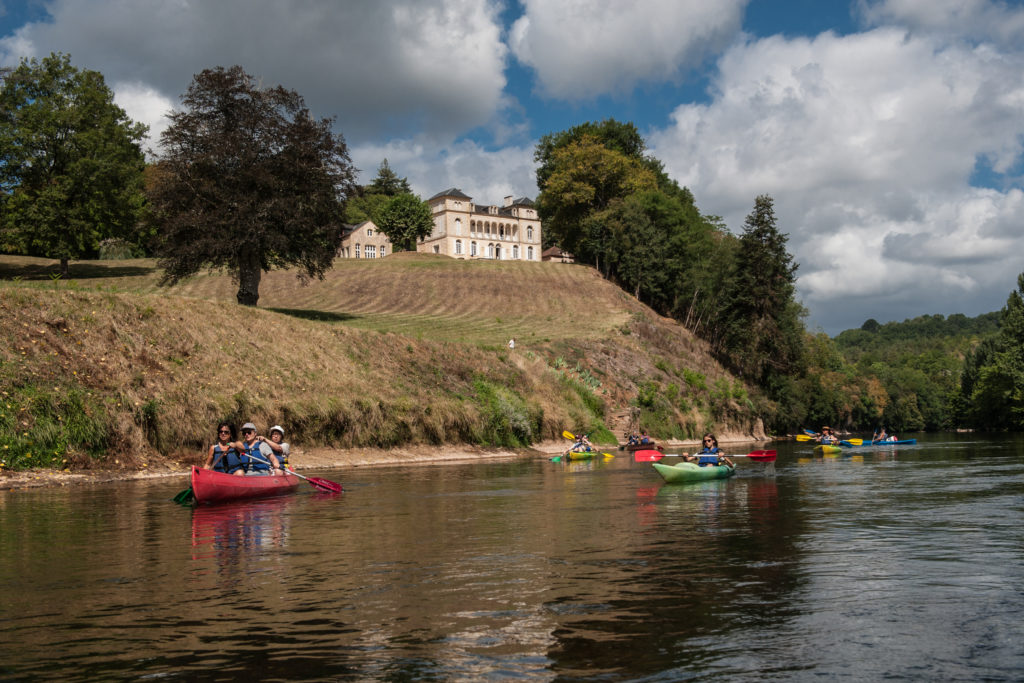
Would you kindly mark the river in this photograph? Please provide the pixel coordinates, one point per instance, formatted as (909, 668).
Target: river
(900, 563)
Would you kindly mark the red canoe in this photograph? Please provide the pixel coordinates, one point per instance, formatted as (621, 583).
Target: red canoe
(214, 487)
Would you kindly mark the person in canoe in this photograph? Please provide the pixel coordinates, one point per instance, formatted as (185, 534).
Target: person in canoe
(644, 439)
(710, 454)
(257, 457)
(223, 456)
(827, 437)
(581, 445)
(278, 445)
(882, 437)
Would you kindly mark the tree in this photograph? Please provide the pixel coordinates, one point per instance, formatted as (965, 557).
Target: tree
(405, 219)
(761, 332)
(388, 183)
(248, 181)
(70, 161)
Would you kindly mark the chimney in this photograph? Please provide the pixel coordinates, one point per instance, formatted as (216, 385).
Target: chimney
(508, 200)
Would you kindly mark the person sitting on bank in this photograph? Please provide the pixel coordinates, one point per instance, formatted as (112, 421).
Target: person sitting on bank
(254, 460)
(223, 456)
(278, 445)
(827, 437)
(644, 439)
(710, 454)
(633, 439)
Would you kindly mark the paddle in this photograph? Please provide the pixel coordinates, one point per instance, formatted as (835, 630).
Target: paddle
(757, 456)
(851, 442)
(804, 437)
(808, 432)
(321, 484)
(569, 435)
(184, 497)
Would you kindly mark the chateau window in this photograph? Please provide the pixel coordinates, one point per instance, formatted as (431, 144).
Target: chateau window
(458, 246)
(529, 253)
(371, 251)
(369, 232)
(357, 251)
(382, 251)
(472, 248)
(458, 226)
(515, 251)
(529, 234)
(490, 251)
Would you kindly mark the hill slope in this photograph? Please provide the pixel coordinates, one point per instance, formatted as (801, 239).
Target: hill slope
(408, 349)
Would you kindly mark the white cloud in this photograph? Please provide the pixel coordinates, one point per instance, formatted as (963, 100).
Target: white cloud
(486, 176)
(145, 105)
(391, 66)
(867, 143)
(584, 48)
(981, 20)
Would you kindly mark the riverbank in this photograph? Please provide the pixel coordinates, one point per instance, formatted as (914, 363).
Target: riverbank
(319, 459)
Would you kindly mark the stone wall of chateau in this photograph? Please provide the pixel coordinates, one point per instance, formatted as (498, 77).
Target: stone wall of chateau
(364, 241)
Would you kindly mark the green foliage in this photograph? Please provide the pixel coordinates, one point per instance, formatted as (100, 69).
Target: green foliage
(992, 382)
(44, 426)
(387, 183)
(405, 219)
(70, 162)
(508, 421)
(365, 207)
(248, 181)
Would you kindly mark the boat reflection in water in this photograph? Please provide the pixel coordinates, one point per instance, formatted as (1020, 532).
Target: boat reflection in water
(231, 530)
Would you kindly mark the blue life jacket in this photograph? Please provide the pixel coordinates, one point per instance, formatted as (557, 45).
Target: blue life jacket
(249, 458)
(229, 462)
(708, 456)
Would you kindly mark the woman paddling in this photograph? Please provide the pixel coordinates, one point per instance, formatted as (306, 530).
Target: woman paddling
(710, 454)
(223, 456)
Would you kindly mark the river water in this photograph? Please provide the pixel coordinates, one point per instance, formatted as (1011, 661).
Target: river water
(903, 563)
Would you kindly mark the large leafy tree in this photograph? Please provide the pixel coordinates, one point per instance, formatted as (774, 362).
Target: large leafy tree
(248, 181)
(405, 219)
(70, 161)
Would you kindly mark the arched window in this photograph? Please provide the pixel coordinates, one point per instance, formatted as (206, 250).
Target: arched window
(472, 248)
(529, 234)
(369, 232)
(357, 250)
(458, 226)
(515, 251)
(458, 246)
(490, 251)
(529, 253)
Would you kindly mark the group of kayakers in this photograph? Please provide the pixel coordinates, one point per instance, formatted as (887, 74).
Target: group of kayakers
(828, 437)
(641, 439)
(253, 455)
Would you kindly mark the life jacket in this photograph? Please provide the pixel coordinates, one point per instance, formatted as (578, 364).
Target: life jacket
(249, 458)
(708, 456)
(228, 462)
(829, 439)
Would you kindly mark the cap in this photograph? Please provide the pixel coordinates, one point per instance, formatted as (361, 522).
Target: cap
(249, 425)
(277, 428)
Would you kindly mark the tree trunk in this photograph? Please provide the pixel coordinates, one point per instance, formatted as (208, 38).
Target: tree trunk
(249, 274)
(64, 268)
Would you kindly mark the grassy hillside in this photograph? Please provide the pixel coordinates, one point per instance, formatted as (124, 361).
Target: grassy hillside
(107, 369)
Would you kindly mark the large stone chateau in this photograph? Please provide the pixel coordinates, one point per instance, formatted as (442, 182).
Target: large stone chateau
(462, 229)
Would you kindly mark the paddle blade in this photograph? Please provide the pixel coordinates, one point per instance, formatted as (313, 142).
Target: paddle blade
(803, 437)
(569, 435)
(325, 485)
(557, 458)
(763, 456)
(608, 456)
(649, 455)
(809, 432)
(855, 442)
(184, 497)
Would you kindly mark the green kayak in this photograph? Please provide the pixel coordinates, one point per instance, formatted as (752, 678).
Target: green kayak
(688, 471)
(825, 448)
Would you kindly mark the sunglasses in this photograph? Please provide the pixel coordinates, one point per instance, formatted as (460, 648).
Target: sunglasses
(224, 431)
(248, 431)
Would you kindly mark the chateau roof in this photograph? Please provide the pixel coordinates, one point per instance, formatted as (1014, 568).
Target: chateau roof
(451, 192)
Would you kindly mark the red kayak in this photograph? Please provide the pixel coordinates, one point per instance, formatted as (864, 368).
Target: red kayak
(209, 486)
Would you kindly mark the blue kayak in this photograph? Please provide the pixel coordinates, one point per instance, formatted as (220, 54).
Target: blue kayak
(868, 443)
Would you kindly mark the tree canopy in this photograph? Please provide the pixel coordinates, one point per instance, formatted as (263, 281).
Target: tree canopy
(405, 219)
(371, 199)
(70, 162)
(248, 181)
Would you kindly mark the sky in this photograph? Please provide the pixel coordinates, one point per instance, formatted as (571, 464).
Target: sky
(889, 133)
